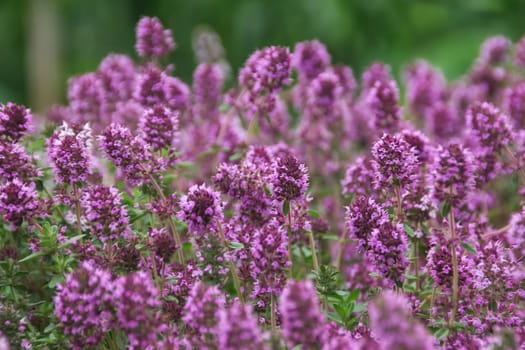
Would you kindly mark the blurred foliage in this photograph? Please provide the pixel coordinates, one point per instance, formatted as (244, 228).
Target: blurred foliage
(447, 32)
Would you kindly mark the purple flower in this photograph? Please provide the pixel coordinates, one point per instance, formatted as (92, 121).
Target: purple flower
(323, 94)
(152, 40)
(137, 301)
(177, 93)
(425, 87)
(383, 101)
(117, 74)
(4, 342)
(69, 151)
(488, 127)
(15, 121)
(514, 102)
(452, 174)
(162, 244)
(237, 328)
(439, 260)
(359, 178)
(129, 153)
(106, 216)
(376, 72)
(289, 179)
(268, 261)
(19, 201)
(15, 163)
(159, 126)
(363, 216)
(264, 74)
(442, 121)
(150, 87)
(201, 314)
(207, 84)
(395, 161)
(519, 57)
(84, 305)
(494, 50)
(302, 319)
(394, 327)
(346, 79)
(86, 100)
(387, 247)
(201, 209)
(310, 58)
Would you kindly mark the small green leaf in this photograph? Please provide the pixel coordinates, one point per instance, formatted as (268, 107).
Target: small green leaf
(31, 256)
(441, 333)
(185, 164)
(330, 237)
(468, 247)
(445, 209)
(409, 230)
(286, 207)
(236, 245)
(234, 157)
(410, 277)
(313, 213)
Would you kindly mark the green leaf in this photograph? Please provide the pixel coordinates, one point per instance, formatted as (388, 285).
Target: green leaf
(313, 213)
(330, 237)
(445, 209)
(353, 295)
(441, 333)
(234, 157)
(55, 280)
(409, 230)
(31, 256)
(286, 207)
(468, 247)
(410, 277)
(236, 245)
(185, 164)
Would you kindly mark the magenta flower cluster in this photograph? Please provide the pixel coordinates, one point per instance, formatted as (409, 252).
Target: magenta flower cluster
(297, 206)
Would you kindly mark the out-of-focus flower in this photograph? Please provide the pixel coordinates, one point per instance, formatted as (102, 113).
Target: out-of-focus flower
(15, 121)
(302, 318)
(152, 40)
(391, 321)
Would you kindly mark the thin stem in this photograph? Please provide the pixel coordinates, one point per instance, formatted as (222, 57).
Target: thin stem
(497, 232)
(399, 207)
(178, 242)
(314, 252)
(233, 270)
(517, 163)
(272, 314)
(434, 290)
(416, 264)
(455, 270)
(77, 209)
(290, 256)
(55, 207)
(171, 225)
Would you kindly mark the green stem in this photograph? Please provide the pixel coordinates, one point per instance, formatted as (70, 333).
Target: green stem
(233, 270)
(314, 251)
(290, 256)
(171, 225)
(455, 269)
(77, 209)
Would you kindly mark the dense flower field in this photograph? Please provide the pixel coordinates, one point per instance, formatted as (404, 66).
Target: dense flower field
(299, 209)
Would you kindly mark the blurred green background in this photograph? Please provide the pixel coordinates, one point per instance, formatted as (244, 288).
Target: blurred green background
(44, 42)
